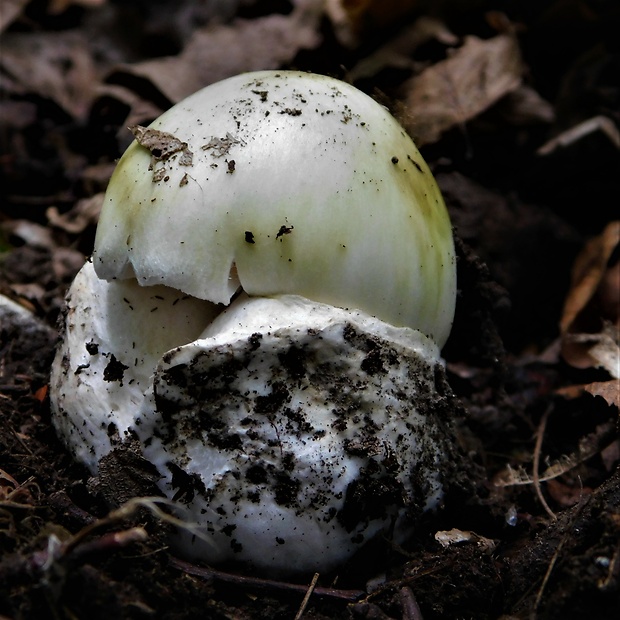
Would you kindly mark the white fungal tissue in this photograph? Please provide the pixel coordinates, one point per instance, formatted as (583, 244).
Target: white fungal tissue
(273, 278)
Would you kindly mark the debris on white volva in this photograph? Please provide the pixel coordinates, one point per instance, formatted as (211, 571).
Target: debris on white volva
(115, 333)
(295, 431)
(272, 282)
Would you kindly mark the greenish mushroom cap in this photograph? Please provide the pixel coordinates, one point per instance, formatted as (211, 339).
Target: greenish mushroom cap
(283, 183)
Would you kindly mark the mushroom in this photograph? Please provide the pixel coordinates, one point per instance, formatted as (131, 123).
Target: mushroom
(272, 281)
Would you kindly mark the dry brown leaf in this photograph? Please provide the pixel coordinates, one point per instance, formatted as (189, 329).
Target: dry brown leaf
(398, 51)
(66, 262)
(591, 315)
(611, 455)
(352, 19)
(139, 110)
(55, 7)
(524, 106)
(28, 232)
(600, 350)
(609, 390)
(85, 213)
(10, 10)
(162, 145)
(456, 90)
(566, 495)
(57, 65)
(31, 293)
(96, 177)
(218, 52)
(447, 538)
(588, 273)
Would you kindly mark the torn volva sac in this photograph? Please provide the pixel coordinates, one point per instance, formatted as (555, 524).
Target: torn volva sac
(272, 281)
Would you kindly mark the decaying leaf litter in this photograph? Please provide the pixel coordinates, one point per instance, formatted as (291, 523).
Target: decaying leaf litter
(517, 113)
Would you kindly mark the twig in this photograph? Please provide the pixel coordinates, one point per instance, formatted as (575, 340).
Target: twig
(62, 503)
(262, 584)
(125, 511)
(555, 557)
(304, 603)
(110, 542)
(537, 449)
(548, 572)
(40, 562)
(77, 547)
(405, 581)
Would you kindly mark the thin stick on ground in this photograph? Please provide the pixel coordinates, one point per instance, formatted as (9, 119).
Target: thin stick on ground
(262, 585)
(555, 557)
(535, 473)
(304, 603)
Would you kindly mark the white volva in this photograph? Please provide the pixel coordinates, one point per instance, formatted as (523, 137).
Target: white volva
(115, 333)
(273, 278)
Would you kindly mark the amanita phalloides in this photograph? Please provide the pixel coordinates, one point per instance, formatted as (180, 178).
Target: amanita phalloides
(272, 281)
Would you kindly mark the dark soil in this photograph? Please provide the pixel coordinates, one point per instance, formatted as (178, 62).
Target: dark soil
(534, 549)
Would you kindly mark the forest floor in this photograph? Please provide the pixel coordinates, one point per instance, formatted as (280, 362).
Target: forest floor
(516, 108)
